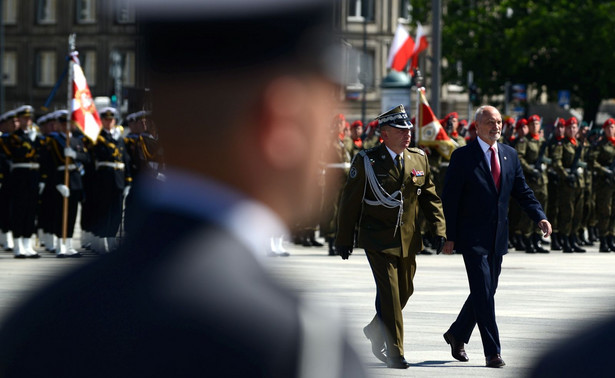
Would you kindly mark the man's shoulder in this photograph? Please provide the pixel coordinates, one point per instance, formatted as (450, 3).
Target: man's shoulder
(416, 150)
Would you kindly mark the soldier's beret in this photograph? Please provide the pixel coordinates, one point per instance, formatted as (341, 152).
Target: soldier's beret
(520, 123)
(395, 117)
(452, 115)
(572, 120)
(472, 126)
(561, 122)
(534, 117)
(608, 122)
(509, 120)
(356, 123)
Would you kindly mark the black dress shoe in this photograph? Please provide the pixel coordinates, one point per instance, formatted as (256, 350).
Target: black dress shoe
(34, 256)
(457, 350)
(397, 363)
(495, 361)
(20, 256)
(378, 348)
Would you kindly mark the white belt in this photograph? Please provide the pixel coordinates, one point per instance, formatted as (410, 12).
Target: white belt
(25, 165)
(339, 165)
(444, 164)
(109, 164)
(71, 167)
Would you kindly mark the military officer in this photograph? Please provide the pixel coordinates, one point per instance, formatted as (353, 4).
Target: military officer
(111, 179)
(47, 192)
(8, 124)
(532, 155)
(570, 168)
(604, 166)
(22, 150)
(385, 188)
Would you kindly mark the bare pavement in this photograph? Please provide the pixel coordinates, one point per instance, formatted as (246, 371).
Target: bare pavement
(541, 299)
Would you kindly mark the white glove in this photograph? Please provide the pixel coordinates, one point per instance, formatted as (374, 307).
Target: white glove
(116, 133)
(41, 187)
(126, 191)
(69, 152)
(63, 189)
(32, 134)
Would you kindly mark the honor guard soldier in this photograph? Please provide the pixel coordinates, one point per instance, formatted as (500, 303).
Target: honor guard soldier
(532, 155)
(23, 182)
(59, 149)
(8, 124)
(452, 127)
(604, 184)
(570, 168)
(555, 146)
(45, 216)
(111, 180)
(385, 188)
(335, 174)
(354, 143)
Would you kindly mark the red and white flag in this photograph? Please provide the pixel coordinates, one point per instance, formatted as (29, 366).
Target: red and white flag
(430, 132)
(83, 111)
(420, 45)
(402, 48)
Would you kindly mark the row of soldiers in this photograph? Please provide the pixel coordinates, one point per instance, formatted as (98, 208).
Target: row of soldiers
(50, 168)
(569, 171)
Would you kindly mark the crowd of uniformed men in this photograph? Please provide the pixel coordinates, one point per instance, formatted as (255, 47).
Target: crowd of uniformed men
(45, 177)
(570, 169)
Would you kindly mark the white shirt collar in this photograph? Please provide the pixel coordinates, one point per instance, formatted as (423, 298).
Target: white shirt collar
(393, 153)
(248, 220)
(485, 147)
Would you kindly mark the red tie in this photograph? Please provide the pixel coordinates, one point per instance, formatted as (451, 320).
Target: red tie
(495, 168)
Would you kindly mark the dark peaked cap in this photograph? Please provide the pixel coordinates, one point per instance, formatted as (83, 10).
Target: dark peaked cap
(210, 35)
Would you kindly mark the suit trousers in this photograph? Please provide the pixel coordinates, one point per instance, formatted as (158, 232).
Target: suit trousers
(483, 274)
(393, 276)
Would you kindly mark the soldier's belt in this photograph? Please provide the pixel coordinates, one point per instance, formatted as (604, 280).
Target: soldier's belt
(444, 164)
(339, 165)
(578, 171)
(71, 167)
(25, 166)
(109, 164)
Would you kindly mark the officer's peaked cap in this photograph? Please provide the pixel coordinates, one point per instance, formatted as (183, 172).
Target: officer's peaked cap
(395, 117)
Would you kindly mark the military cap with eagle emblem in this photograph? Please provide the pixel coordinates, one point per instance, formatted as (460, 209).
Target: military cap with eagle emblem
(395, 117)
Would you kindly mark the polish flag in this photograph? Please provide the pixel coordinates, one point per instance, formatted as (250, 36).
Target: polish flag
(83, 111)
(430, 132)
(402, 48)
(421, 45)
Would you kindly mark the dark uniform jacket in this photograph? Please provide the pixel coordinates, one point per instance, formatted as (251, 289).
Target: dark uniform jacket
(381, 228)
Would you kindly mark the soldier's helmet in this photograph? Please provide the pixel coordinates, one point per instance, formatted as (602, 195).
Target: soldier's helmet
(395, 117)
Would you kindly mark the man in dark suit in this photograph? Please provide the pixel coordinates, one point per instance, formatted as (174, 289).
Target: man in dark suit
(185, 295)
(480, 180)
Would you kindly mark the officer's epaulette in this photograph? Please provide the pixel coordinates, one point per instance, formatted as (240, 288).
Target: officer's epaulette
(416, 150)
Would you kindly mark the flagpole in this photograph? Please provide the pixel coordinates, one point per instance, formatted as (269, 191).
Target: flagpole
(419, 116)
(71, 49)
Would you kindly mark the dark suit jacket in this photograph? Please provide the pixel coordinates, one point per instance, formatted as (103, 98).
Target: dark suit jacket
(181, 298)
(476, 214)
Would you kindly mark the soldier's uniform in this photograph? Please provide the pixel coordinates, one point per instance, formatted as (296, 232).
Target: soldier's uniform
(112, 180)
(335, 174)
(372, 136)
(533, 159)
(554, 151)
(77, 156)
(8, 123)
(515, 214)
(22, 149)
(384, 204)
(45, 217)
(604, 185)
(354, 143)
(570, 169)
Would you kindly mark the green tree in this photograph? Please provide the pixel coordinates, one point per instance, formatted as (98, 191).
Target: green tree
(561, 44)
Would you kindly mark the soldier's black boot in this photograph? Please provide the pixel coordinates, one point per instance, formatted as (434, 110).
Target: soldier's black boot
(332, 251)
(529, 247)
(604, 246)
(574, 245)
(555, 243)
(610, 240)
(537, 246)
(312, 239)
(520, 244)
(593, 233)
(583, 240)
(566, 247)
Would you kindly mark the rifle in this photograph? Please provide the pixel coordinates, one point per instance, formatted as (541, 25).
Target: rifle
(576, 164)
(541, 157)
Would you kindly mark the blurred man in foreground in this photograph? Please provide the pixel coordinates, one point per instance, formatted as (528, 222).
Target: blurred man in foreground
(185, 294)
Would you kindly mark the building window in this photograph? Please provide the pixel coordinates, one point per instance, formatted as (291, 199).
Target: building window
(125, 14)
(360, 69)
(9, 12)
(86, 11)
(46, 12)
(9, 66)
(128, 69)
(46, 68)
(88, 64)
(361, 10)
